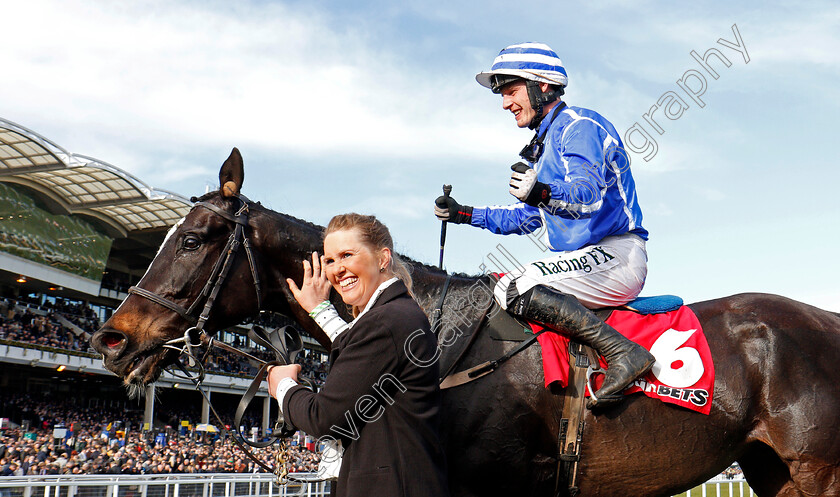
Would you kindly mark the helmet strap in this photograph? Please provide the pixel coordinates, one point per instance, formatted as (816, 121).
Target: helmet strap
(538, 100)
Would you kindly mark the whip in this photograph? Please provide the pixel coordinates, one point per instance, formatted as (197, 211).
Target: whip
(447, 189)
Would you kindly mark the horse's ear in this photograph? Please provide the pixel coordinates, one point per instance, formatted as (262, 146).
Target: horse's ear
(232, 174)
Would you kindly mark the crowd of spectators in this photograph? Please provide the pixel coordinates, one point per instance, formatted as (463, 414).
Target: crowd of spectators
(733, 472)
(39, 330)
(102, 445)
(34, 321)
(92, 452)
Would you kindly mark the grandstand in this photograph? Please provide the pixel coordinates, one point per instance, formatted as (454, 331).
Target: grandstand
(75, 233)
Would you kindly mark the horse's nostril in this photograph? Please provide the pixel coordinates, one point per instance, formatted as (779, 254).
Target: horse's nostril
(112, 340)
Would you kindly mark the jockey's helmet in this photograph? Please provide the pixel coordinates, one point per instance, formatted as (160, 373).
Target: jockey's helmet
(529, 61)
(533, 62)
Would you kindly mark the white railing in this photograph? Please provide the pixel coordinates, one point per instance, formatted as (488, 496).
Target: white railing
(170, 485)
(718, 487)
(227, 485)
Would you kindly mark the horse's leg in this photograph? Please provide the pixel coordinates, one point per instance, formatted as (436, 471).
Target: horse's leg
(769, 475)
(764, 470)
(812, 477)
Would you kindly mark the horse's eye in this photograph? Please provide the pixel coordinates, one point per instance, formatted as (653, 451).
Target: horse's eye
(191, 243)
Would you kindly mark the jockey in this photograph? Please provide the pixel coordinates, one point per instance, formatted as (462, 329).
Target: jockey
(578, 190)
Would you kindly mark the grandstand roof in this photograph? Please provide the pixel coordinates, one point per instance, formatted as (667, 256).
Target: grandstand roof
(128, 210)
(76, 184)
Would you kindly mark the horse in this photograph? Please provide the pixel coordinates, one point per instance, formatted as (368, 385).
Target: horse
(776, 395)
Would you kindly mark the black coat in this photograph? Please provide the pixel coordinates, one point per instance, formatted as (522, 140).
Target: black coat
(381, 402)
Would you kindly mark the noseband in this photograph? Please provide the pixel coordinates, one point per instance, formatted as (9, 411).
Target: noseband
(195, 336)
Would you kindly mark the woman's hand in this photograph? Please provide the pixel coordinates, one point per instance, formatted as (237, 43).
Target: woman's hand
(277, 373)
(315, 288)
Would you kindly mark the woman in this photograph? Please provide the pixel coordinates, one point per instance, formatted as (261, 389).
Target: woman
(377, 401)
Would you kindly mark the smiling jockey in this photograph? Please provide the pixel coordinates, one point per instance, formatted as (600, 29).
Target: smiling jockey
(578, 190)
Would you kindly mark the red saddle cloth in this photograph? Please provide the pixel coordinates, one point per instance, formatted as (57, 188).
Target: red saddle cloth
(683, 374)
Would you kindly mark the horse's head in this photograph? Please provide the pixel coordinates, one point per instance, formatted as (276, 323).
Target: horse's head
(191, 269)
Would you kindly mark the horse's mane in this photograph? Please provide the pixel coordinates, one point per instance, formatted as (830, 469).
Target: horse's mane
(423, 267)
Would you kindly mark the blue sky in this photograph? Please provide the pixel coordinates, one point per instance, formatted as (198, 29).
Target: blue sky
(372, 106)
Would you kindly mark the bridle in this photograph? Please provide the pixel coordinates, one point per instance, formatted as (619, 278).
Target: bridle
(285, 348)
(195, 335)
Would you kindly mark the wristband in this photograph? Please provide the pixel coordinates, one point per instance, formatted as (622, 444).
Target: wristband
(539, 195)
(318, 308)
(328, 319)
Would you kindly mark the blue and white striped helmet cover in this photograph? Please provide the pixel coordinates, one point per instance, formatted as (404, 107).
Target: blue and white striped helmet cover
(534, 61)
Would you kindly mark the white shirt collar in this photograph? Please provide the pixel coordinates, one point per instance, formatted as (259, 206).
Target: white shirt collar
(373, 298)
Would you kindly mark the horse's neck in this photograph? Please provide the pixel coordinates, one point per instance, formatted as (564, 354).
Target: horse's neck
(429, 287)
(287, 242)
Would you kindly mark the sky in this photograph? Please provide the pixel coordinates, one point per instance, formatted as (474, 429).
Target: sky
(372, 106)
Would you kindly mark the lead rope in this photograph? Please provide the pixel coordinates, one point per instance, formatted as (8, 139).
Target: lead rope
(280, 470)
(281, 467)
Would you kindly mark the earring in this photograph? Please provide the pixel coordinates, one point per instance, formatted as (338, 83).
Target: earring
(382, 270)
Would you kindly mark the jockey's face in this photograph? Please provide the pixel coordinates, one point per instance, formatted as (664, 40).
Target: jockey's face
(515, 99)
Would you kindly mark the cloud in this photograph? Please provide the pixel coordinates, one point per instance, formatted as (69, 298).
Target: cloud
(297, 81)
(808, 36)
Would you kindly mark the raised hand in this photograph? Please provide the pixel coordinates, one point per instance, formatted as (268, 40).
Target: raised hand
(315, 287)
(525, 187)
(447, 209)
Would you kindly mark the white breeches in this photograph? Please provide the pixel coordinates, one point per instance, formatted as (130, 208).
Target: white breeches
(609, 273)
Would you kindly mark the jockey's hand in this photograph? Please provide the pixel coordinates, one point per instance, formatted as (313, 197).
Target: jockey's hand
(315, 288)
(447, 209)
(525, 187)
(277, 373)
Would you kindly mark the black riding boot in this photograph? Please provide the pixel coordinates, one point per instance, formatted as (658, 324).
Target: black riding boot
(559, 311)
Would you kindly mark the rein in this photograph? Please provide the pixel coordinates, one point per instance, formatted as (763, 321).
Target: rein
(286, 348)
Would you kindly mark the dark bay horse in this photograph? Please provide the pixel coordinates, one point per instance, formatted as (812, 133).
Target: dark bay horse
(776, 394)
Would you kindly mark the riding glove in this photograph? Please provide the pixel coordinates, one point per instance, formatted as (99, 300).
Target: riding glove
(447, 209)
(525, 187)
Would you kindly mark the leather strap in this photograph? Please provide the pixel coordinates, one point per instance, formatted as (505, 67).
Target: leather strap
(473, 336)
(483, 369)
(246, 399)
(571, 424)
(172, 306)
